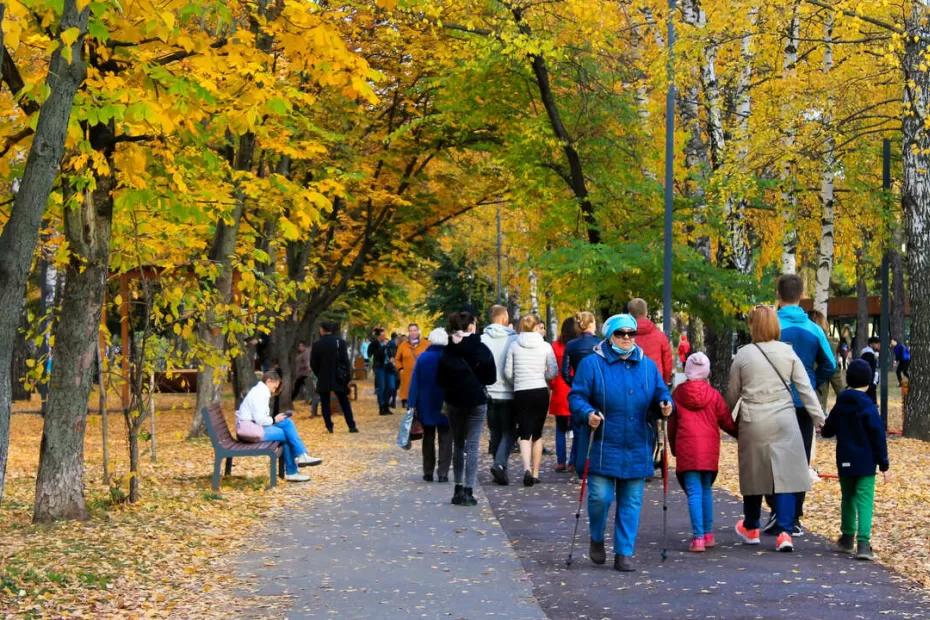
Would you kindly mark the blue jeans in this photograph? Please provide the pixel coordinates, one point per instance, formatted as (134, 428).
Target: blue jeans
(698, 486)
(466, 424)
(504, 432)
(629, 494)
(384, 385)
(784, 505)
(286, 433)
(562, 426)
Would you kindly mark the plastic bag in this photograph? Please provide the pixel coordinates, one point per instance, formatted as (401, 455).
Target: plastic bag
(403, 433)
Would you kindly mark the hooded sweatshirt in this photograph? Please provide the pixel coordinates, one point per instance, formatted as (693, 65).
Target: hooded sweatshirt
(694, 426)
(466, 366)
(498, 338)
(655, 345)
(530, 362)
(810, 344)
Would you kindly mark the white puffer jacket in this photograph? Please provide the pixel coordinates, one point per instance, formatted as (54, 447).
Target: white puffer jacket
(530, 362)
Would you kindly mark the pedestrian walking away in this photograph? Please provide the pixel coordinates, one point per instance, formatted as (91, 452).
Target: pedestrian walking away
(772, 457)
(530, 365)
(861, 446)
(558, 400)
(426, 398)
(498, 337)
(870, 353)
(466, 367)
(694, 437)
(382, 351)
(619, 388)
(329, 361)
(576, 350)
(902, 361)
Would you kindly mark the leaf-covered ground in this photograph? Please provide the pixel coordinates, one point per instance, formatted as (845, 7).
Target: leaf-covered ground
(167, 555)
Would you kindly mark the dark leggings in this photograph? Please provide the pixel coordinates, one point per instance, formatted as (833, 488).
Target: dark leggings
(530, 409)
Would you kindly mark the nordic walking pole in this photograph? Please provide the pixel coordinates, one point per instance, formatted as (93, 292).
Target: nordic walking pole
(663, 431)
(584, 484)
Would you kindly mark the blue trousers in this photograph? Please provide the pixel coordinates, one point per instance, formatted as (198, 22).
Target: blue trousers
(286, 433)
(384, 385)
(699, 489)
(562, 426)
(629, 495)
(784, 505)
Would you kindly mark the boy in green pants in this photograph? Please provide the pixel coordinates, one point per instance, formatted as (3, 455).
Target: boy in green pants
(860, 447)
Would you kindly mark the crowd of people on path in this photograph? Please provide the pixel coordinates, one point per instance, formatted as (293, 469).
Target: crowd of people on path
(609, 391)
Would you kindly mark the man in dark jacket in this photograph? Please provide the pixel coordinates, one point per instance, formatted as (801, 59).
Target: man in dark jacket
(870, 354)
(329, 360)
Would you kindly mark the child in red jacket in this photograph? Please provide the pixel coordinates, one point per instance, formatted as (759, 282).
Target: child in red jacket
(694, 436)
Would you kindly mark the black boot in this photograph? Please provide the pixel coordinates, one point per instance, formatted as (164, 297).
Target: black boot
(844, 544)
(469, 498)
(427, 477)
(864, 551)
(623, 563)
(596, 552)
(458, 497)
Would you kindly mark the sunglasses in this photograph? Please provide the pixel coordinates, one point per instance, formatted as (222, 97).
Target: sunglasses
(624, 333)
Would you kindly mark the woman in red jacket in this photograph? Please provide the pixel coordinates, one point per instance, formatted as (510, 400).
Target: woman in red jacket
(694, 436)
(558, 400)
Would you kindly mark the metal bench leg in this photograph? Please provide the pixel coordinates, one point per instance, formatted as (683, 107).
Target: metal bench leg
(272, 478)
(217, 460)
(228, 466)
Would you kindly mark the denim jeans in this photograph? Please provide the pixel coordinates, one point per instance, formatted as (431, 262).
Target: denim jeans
(629, 495)
(562, 426)
(503, 423)
(286, 433)
(699, 489)
(344, 404)
(467, 424)
(384, 385)
(782, 503)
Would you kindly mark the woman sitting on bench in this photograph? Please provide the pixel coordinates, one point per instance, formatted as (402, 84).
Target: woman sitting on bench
(256, 407)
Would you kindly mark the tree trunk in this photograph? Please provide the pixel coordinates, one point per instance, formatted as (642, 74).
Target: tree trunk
(718, 346)
(22, 351)
(916, 197)
(20, 234)
(898, 295)
(243, 372)
(60, 482)
(284, 346)
(134, 471)
(789, 245)
(862, 305)
(825, 248)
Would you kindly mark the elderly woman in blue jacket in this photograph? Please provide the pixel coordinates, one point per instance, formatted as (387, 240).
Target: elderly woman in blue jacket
(614, 394)
(426, 398)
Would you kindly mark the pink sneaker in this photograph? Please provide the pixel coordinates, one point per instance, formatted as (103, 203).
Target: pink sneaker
(709, 541)
(750, 537)
(697, 544)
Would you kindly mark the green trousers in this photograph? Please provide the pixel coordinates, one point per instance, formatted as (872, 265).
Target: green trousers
(858, 494)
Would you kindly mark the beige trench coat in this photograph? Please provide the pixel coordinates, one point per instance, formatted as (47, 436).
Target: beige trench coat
(771, 451)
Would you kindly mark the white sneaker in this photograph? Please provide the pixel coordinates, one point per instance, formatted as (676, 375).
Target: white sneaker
(305, 460)
(297, 477)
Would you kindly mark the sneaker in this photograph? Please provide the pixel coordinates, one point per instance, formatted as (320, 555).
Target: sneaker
(783, 542)
(427, 477)
(305, 460)
(697, 545)
(709, 541)
(528, 479)
(844, 544)
(597, 553)
(797, 530)
(500, 475)
(297, 477)
(623, 564)
(864, 551)
(771, 526)
(750, 537)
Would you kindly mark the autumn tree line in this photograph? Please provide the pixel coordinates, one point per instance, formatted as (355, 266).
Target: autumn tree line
(256, 165)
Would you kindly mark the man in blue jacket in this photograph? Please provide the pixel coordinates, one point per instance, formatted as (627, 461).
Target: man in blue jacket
(812, 347)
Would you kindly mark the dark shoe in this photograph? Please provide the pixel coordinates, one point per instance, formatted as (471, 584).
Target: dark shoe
(771, 526)
(353, 430)
(329, 430)
(844, 544)
(561, 469)
(458, 496)
(623, 563)
(596, 552)
(469, 498)
(443, 479)
(797, 530)
(500, 475)
(536, 480)
(528, 479)
(864, 551)
(427, 477)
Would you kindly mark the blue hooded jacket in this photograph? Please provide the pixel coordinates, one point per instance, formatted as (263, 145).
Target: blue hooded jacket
(425, 394)
(860, 435)
(626, 392)
(809, 343)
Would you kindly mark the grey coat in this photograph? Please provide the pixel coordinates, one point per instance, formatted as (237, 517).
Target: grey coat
(771, 451)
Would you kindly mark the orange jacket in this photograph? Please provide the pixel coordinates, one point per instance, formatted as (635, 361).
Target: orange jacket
(405, 359)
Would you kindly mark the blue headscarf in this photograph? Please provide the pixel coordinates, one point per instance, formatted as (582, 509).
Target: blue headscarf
(619, 321)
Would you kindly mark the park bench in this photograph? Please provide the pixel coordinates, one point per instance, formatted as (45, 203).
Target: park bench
(224, 446)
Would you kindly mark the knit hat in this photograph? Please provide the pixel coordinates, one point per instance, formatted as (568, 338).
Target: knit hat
(618, 321)
(439, 336)
(697, 367)
(859, 374)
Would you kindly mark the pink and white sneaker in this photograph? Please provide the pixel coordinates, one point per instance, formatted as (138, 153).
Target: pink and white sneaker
(697, 544)
(709, 541)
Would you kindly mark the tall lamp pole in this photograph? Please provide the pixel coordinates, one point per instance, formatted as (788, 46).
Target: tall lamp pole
(884, 355)
(500, 290)
(669, 175)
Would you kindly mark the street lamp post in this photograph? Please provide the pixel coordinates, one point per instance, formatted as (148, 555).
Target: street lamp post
(669, 175)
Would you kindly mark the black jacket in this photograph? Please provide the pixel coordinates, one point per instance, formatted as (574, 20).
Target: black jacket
(860, 435)
(464, 370)
(326, 356)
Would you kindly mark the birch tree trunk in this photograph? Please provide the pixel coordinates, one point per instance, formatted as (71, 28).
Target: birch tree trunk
(825, 248)
(20, 234)
(789, 246)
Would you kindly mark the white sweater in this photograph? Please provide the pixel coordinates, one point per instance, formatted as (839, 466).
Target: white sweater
(530, 362)
(256, 406)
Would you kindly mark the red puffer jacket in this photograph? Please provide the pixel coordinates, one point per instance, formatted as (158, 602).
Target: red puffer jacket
(558, 399)
(694, 426)
(655, 345)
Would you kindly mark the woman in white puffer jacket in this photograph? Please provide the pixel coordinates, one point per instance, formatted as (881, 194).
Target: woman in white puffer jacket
(529, 366)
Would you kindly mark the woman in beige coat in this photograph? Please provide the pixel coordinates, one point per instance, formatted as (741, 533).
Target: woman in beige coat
(772, 459)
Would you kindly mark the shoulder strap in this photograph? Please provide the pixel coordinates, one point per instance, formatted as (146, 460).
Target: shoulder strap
(782, 379)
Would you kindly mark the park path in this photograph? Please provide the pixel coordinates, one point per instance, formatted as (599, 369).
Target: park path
(393, 547)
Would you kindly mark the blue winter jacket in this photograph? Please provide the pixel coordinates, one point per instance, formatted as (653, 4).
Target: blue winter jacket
(627, 392)
(860, 435)
(425, 395)
(810, 344)
(576, 350)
